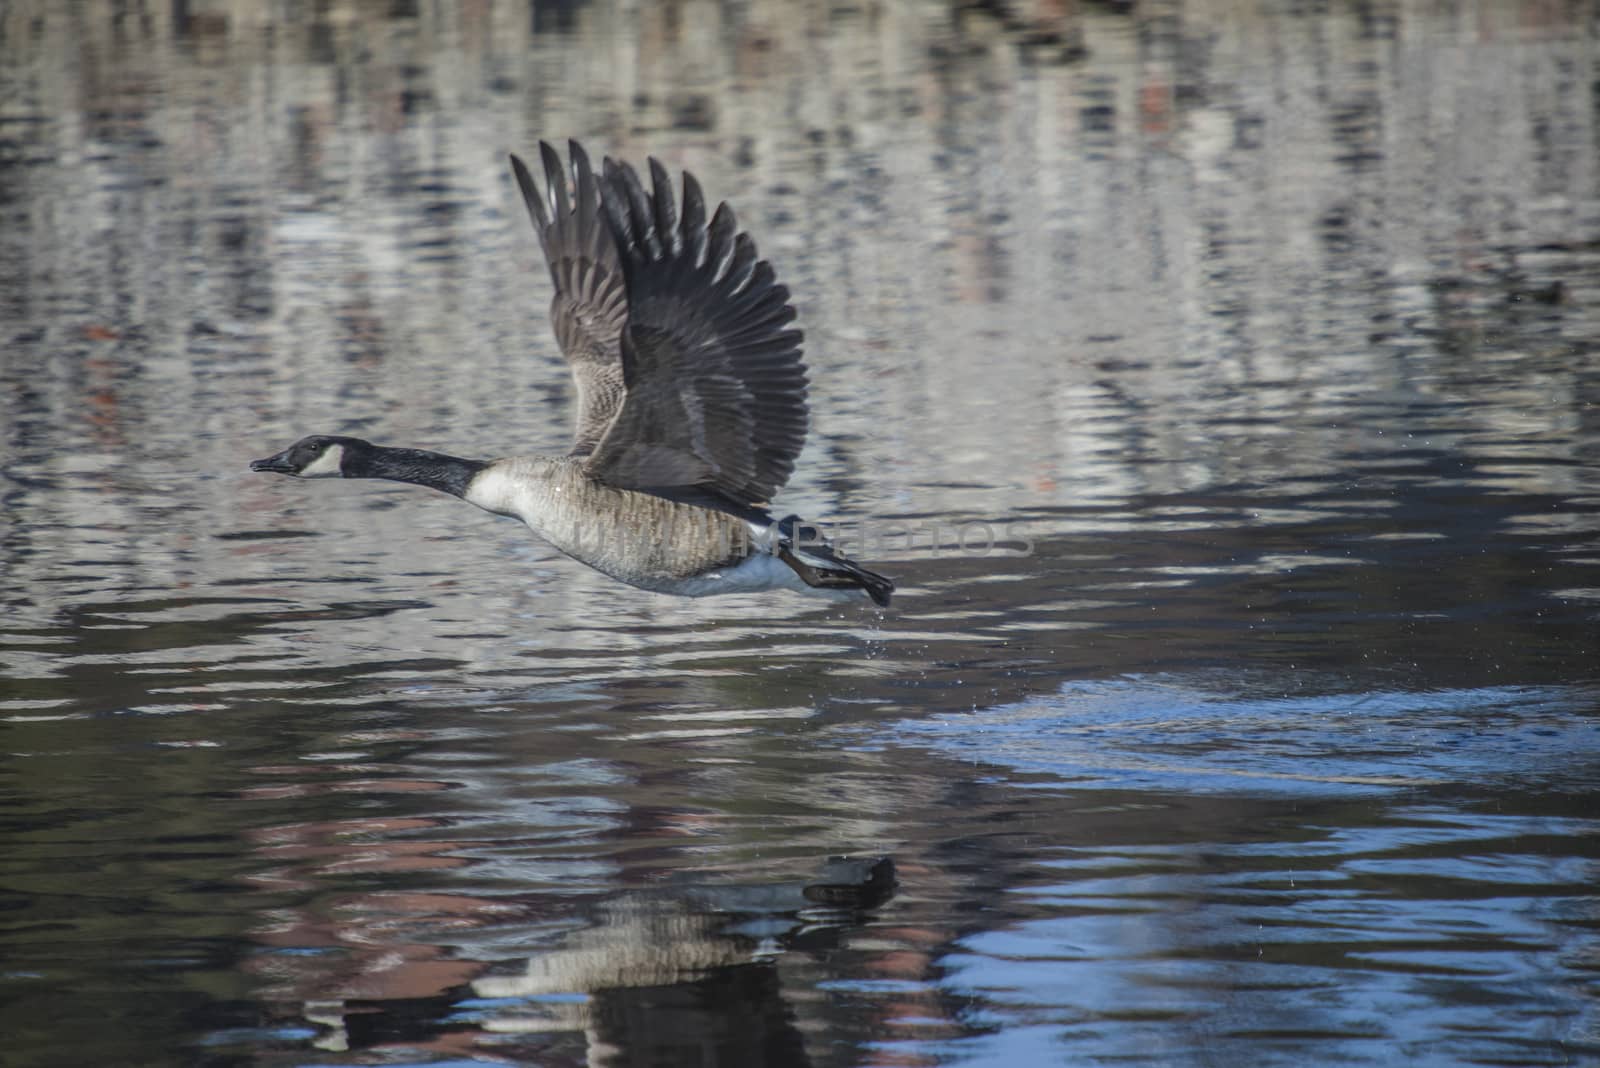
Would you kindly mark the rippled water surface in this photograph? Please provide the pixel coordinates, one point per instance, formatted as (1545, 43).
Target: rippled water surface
(1219, 382)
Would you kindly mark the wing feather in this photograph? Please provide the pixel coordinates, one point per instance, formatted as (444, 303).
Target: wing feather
(590, 306)
(715, 386)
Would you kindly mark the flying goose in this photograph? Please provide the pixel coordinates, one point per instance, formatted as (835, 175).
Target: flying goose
(691, 400)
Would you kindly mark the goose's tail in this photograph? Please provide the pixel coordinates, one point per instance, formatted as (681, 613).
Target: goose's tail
(821, 565)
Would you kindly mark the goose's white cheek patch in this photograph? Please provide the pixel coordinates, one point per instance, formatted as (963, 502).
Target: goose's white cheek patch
(326, 465)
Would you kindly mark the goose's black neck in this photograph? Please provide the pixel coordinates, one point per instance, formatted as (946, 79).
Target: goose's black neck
(449, 474)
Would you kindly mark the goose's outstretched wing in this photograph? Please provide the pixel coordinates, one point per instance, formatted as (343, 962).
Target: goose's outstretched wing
(591, 301)
(716, 392)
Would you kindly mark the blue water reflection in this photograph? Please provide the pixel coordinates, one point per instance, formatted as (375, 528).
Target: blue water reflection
(1440, 925)
(1222, 732)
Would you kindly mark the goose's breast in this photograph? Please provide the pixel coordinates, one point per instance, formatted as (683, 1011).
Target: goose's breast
(639, 538)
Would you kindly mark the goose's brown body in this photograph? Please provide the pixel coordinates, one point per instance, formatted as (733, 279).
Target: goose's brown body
(640, 538)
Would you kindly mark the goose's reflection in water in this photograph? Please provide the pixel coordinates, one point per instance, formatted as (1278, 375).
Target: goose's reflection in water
(658, 975)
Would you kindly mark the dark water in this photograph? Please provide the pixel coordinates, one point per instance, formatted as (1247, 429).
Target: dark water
(1261, 337)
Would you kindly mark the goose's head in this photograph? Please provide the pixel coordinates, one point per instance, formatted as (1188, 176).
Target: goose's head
(318, 456)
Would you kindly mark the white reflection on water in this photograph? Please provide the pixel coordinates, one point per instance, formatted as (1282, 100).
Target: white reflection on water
(1220, 732)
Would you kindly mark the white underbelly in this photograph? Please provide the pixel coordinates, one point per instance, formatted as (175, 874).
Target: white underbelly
(756, 573)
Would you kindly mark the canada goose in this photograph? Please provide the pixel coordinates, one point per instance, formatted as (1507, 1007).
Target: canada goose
(691, 400)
